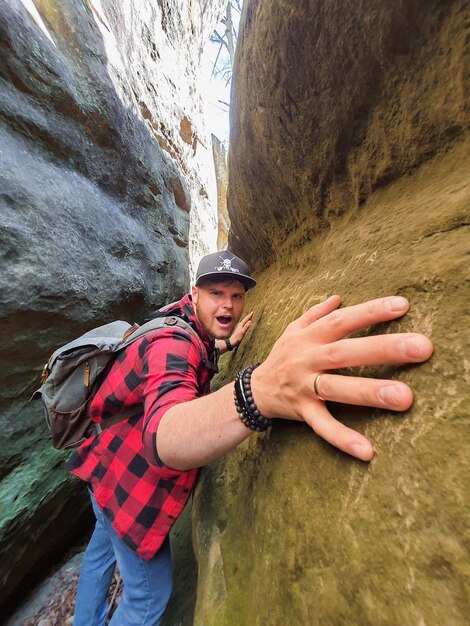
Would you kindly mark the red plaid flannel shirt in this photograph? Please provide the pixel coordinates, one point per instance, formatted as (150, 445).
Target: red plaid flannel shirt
(139, 494)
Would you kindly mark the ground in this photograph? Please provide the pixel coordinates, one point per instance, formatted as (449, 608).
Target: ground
(52, 602)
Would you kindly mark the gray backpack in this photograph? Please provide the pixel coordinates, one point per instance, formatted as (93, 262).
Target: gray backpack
(74, 372)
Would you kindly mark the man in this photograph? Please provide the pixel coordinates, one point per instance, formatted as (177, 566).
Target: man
(142, 470)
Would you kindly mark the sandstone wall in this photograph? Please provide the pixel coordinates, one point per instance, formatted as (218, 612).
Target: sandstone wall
(104, 161)
(349, 173)
(221, 174)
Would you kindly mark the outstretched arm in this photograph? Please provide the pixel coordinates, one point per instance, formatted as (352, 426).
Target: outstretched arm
(194, 433)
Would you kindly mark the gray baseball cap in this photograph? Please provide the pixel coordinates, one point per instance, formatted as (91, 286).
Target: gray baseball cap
(222, 264)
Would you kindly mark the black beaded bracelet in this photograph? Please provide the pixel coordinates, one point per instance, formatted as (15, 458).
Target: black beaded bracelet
(245, 404)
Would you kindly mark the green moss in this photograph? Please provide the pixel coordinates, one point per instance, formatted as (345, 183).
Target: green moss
(25, 487)
(43, 510)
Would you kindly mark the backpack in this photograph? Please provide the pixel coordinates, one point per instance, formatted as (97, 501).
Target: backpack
(74, 372)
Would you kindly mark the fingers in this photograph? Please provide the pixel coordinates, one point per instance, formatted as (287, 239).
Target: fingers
(315, 343)
(323, 423)
(384, 394)
(340, 323)
(377, 350)
(246, 319)
(241, 328)
(318, 311)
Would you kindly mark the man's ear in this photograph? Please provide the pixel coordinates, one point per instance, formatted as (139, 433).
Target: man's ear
(194, 293)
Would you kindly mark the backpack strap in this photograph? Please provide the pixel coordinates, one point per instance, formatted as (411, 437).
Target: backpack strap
(136, 332)
(175, 320)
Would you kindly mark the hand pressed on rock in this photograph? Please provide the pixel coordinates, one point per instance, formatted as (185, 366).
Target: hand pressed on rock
(283, 386)
(240, 329)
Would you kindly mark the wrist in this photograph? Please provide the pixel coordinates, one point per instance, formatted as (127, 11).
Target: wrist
(229, 345)
(262, 392)
(245, 404)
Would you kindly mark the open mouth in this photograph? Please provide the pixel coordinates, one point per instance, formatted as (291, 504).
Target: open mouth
(224, 320)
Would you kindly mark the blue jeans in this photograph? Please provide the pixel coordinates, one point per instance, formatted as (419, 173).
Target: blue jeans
(146, 585)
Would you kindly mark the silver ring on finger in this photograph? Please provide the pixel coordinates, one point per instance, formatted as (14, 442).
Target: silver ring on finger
(315, 388)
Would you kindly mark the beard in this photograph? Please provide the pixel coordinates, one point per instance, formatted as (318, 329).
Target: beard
(209, 324)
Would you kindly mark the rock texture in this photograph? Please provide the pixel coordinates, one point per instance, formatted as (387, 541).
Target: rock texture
(349, 173)
(103, 163)
(346, 98)
(221, 174)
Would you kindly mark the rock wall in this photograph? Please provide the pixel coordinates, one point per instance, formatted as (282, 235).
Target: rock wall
(104, 161)
(221, 174)
(349, 173)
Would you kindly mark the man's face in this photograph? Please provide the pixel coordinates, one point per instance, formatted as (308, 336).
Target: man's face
(218, 307)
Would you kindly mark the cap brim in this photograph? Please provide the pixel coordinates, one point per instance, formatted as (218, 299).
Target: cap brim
(247, 281)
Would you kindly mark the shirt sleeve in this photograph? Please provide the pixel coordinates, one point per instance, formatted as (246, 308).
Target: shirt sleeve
(170, 367)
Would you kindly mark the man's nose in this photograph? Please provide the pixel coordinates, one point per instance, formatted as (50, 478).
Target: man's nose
(227, 303)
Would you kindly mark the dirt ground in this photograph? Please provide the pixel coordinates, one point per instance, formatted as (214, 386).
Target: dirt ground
(52, 602)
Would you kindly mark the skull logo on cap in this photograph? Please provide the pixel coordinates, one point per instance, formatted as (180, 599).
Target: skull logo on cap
(227, 266)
